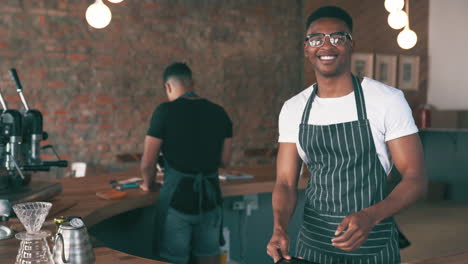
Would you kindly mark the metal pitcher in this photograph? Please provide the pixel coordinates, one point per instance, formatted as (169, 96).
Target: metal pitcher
(72, 244)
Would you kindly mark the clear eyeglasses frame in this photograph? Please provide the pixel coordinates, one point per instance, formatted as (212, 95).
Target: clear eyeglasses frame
(316, 40)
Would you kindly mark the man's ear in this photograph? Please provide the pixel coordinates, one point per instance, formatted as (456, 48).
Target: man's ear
(168, 87)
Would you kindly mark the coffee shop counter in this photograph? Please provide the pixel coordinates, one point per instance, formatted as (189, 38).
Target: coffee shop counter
(94, 210)
(78, 198)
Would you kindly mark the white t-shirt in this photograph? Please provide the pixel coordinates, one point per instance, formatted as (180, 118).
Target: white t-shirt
(388, 112)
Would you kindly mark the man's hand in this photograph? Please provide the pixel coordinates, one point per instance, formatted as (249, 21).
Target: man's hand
(358, 227)
(146, 187)
(278, 247)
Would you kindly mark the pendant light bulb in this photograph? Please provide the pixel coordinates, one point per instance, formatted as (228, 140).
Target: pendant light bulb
(407, 38)
(98, 15)
(115, 1)
(397, 19)
(394, 5)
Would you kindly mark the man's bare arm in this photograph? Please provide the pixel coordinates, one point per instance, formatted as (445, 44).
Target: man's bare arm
(284, 198)
(148, 161)
(408, 157)
(288, 166)
(226, 153)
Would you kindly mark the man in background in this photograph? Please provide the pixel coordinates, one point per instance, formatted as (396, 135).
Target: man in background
(194, 136)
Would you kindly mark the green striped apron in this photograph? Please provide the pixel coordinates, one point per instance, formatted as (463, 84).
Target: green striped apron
(346, 177)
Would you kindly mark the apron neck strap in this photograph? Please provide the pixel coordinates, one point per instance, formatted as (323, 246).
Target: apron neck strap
(306, 113)
(190, 94)
(358, 96)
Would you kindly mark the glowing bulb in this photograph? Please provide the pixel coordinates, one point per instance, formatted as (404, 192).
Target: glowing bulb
(397, 19)
(407, 39)
(394, 5)
(98, 15)
(115, 1)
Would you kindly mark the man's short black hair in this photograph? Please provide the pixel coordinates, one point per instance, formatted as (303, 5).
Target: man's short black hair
(178, 70)
(330, 11)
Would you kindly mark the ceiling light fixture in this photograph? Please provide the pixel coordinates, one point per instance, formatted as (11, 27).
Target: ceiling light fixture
(394, 5)
(407, 37)
(115, 1)
(98, 15)
(397, 19)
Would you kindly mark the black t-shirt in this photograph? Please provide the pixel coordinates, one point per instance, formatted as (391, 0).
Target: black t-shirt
(193, 131)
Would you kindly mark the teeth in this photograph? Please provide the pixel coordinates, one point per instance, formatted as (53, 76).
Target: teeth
(327, 57)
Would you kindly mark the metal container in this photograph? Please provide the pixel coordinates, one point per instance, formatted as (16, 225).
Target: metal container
(5, 210)
(5, 232)
(72, 244)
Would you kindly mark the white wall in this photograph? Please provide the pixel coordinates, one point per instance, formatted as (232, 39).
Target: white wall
(448, 54)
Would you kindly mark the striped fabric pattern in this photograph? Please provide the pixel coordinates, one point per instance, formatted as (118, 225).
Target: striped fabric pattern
(318, 229)
(346, 177)
(388, 255)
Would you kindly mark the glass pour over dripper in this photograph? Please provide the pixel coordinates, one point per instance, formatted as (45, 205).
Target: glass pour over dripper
(32, 215)
(34, 248)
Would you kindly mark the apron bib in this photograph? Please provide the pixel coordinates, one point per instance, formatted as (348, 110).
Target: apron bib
(346, 177)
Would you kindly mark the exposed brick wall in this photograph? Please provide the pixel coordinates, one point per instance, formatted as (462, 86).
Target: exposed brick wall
(97, 88)
(372, 34)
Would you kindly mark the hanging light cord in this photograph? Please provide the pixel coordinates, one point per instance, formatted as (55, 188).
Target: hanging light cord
(407, 13)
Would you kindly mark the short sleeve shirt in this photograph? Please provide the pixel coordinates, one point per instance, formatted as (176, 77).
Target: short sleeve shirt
(389, 115)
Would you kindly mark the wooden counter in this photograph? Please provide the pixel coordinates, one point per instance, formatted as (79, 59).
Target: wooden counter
(9, 249)
(80, 195)
(94, 210)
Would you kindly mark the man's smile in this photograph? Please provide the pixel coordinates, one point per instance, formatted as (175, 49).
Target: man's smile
(327, 58)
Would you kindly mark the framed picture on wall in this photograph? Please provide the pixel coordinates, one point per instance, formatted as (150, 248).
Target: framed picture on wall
(362, 64)
(386, 69)
(408, 73)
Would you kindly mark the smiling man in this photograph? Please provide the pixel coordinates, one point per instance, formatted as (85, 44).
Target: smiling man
(349, 132)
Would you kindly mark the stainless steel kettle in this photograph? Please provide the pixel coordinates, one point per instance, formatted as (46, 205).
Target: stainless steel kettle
(72, 244)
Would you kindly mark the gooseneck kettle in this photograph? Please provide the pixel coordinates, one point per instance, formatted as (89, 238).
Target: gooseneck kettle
(72, 244)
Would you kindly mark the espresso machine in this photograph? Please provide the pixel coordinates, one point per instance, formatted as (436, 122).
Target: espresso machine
(21, 132)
